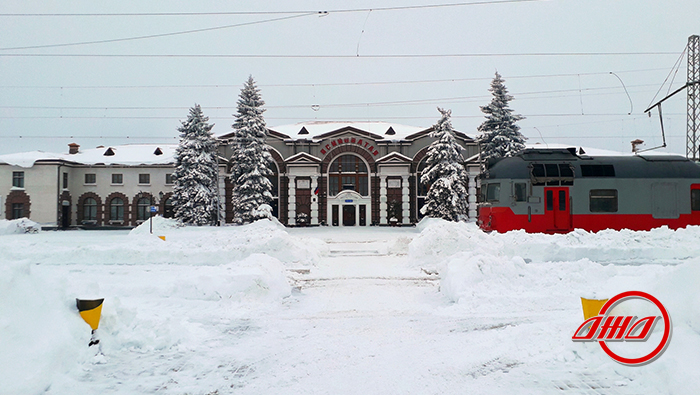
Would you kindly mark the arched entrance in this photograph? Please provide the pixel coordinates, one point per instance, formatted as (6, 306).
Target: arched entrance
(349, 199)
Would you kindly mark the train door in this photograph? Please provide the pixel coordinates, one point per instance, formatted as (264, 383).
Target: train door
(557, 209)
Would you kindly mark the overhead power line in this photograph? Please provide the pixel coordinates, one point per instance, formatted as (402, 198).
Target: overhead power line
(114, 40)
(377, 56)
(219, 13)
(310, 84)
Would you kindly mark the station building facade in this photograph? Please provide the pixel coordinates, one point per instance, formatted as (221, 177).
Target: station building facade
(350, 173)
(324, 173)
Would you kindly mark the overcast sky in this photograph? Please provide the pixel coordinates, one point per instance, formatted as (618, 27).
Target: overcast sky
(555, 55)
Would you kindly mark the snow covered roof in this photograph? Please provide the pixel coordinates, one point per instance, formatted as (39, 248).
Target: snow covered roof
(128, 155)
(316, 129)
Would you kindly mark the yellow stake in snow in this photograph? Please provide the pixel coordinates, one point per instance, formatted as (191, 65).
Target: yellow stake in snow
(591, 307)
(90, 310)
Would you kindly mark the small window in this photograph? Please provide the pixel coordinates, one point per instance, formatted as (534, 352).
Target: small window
(562, 201)
(144, 178)
(169, 179)
(549, 200)
(603, 200)
(65, 180)
(17, 210)
(117, 178)
(90, 178)
(493, 192)
(695, 199)
(520, 192)
(18, 179)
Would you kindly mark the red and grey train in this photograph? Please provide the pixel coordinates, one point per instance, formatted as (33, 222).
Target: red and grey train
(558, 190)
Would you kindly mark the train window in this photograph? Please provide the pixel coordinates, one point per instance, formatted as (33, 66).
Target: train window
(552, 171)
(695, 199)
(603, 200)
(493, 192)
(567, 174)
(562, 201)
(537, 174)
(521, 192)
(598, 170)
(549, 201)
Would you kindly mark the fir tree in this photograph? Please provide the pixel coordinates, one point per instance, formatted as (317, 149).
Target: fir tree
(196, 171)
(501, 136)
(445, 174)
(250, 158)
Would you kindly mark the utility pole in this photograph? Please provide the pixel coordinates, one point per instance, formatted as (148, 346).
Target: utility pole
(693, 86)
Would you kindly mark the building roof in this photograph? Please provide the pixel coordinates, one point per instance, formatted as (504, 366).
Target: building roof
(127, 155)
(316, 129)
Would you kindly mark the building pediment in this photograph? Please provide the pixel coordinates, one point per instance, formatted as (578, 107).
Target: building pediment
(394, 158)
(303, 158)
(426, 132)
(348, 131)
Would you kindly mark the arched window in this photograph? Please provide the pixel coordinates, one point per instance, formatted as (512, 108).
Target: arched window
(348, 172)
(116, 209)
(90, 209)
(142, 209)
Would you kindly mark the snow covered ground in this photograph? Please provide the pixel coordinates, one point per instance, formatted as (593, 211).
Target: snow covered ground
(438, 309)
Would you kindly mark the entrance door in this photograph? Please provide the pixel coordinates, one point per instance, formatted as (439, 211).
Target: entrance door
(65, 217)
(557, 209)
(348, 215)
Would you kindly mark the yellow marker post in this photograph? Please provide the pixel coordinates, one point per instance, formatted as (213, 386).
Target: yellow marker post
(591, 307)
(91, 310)
(162, 237)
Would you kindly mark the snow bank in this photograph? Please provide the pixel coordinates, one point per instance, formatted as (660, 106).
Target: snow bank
(160, 225)
(18, 226)
(183, 245)
(43, 336)
(519, 275)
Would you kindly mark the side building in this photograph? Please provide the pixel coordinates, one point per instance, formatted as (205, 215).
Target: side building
(101, 187)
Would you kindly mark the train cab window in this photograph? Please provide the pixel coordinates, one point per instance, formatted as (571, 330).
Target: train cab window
(603, 200)
(537, 174)
(567, 174)
(520, 192)
(493, 192)
(695, 199)
(552, 171)
(549, 200)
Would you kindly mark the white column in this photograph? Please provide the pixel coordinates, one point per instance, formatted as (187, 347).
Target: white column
(314, 201)
(292, 201)
(357, 214)
(405, 201)
(382, 200)
(471, 190)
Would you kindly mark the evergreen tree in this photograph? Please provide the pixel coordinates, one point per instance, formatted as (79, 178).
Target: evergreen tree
(501, 136)
(250, 159)
(196, 171)
(445, 174)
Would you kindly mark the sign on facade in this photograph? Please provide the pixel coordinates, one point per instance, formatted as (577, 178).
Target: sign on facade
(393, 183)
(303, 184)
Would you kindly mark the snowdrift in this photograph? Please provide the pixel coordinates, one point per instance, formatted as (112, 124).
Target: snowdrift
(18, 226)
(522, 275)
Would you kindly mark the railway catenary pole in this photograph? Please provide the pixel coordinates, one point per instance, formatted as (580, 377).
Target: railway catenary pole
(693, 86)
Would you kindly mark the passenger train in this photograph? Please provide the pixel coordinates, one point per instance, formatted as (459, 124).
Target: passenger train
(558, 190)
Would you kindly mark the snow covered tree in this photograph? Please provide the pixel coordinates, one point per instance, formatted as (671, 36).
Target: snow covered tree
(501, 136)
(195, 193)
(445, 174)
(250, 158)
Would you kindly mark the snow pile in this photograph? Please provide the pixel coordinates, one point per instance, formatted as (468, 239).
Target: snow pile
(160, 225)
(190, 245)
(42, 334)
(18, 226)
(524, 275)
